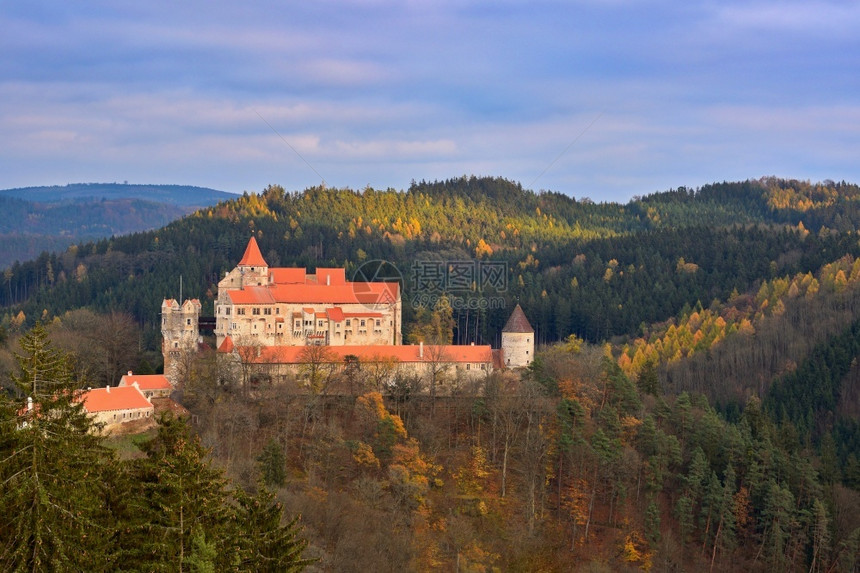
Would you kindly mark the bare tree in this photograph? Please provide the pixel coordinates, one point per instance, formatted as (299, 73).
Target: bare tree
(437, 362)
(319, 364)
(106, 346)
(380, 371)
(248, 350)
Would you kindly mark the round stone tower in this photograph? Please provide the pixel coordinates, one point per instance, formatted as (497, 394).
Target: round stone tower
(518, 340)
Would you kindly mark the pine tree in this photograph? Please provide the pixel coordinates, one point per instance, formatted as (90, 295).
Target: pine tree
(273, 464)
(263, 543)
(177, 496)
(52, 495)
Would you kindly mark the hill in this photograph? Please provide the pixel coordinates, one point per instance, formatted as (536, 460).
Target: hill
(595, 270)
(693, 406)
(37, 219)
(183, 195)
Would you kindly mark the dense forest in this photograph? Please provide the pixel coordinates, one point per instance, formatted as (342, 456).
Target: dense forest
(694, 404)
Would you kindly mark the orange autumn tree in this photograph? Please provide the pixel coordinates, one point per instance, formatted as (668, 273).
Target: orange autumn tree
(380, 430)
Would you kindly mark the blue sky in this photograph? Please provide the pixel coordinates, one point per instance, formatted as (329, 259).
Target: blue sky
(599, 99)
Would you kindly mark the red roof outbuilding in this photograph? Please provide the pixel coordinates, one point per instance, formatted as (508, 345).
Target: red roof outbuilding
(117, 398)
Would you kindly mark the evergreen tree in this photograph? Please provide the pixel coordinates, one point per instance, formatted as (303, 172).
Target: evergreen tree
(263, 543)
(178, 498)
(52, 495)
(273, 464)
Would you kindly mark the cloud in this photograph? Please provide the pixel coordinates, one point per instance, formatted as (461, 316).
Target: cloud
(792, 17)
(383, 92)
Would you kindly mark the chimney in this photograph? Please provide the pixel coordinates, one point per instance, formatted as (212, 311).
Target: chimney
(129, 372)
(107, 388)
(135, 385)
(29, 403)
(421, 349)
(472, 344)
(328, 279)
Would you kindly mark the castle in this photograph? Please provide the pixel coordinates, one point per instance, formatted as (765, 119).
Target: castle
(278, 312)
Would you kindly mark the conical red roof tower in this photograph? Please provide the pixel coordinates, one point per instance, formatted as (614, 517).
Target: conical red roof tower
(253, 257)
(518, 322)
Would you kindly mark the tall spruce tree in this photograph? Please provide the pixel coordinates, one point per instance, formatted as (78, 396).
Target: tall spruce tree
(51, 464)
(179, 503)
(263, 543)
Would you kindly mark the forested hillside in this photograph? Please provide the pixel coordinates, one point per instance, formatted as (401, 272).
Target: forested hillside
(37, 219)
(695, 402)
(596, 270)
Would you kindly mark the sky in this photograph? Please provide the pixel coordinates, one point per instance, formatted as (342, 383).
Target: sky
(600, 99)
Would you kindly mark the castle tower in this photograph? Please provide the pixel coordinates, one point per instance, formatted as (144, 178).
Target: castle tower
(518, 340)
(253, 269)
(180, 335)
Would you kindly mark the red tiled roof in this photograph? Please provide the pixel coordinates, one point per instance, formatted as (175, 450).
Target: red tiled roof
(518, 322)
(350, 293)
(117, 398)
(287, 276)
(331, 277)
(335, 314)
(226, 345)
(146, 381)
(253, 257)
(410, 353)
(251, 295)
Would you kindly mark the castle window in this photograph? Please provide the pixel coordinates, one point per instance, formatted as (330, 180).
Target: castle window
(378, 323)
(233, 326)
(468, 366)
(240, 311)
(483, 366)
(362, 323)
(348, 322)
(188, 321)
(319, 323)
(298, 324)
(267, 311)
(255, 311)
(227, 311)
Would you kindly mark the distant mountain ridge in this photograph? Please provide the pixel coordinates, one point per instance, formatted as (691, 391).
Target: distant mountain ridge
(50, 218)
(183, 195)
